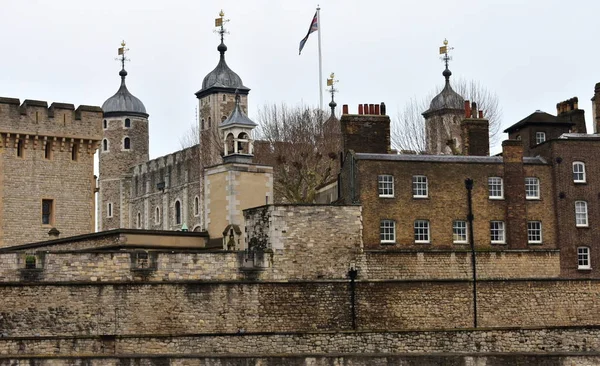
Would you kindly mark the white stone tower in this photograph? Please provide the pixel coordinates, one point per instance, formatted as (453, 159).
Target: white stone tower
(124, 144)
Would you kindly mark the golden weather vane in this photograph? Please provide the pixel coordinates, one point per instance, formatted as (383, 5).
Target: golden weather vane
(220, 22)
(121, 52)
(331, 81)
(444, 51)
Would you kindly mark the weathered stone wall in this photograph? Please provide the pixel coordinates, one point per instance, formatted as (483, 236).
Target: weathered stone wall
(308, 241)
(457, 265)
(65, 175)
(452, 347)
(230, 307)
(181, 174)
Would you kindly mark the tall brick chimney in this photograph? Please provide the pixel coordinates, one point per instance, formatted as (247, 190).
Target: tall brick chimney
(475, 131)
(514, 194)
(596, 108)
(569, 111)
(368, 131)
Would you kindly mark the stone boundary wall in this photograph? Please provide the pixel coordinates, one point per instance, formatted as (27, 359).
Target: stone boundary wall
(457, 265)
(567, 340)
(304, 306)
(285, 265)
(324, 360)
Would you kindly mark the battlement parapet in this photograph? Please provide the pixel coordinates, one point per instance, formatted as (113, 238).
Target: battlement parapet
(35, 118)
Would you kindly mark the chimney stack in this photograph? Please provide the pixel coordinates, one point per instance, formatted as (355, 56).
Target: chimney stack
(368, 131)
(569, 111)
(474, 132)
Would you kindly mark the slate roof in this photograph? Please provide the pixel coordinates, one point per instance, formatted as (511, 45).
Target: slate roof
(123, 102)
(445, 158)
(538, 117)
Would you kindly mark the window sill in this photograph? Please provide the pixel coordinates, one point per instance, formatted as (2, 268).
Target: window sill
(460, 242)
(422, 242)
(387, 243)
(382, 196)
(582, 226)
(496, 198)
(420, 197)
(584, 269)
(535, 243)
(580, 182)
(498, 243)
(533, 199)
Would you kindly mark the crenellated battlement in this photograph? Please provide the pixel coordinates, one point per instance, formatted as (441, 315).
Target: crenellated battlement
(60, 120)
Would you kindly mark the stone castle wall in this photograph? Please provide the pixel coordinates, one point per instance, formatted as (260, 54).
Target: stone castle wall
(46, 154)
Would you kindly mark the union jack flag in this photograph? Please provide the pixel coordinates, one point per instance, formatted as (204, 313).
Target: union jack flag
(314, 26)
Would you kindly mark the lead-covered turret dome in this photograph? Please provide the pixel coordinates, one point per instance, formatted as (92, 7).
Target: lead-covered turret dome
(123, 102)
(222, 78)
(447, 98)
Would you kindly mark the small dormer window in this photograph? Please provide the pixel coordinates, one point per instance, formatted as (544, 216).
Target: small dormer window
(540, 137)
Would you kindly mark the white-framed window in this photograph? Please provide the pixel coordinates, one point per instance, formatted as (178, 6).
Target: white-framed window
(421, 231)
(459, 231)
(534, 232)
(540, 137)
(157, 215)
(495, 188)
(387, 231)
(196, 206)
(109, 210)
(419, 186)
(578, 172)
(583, 258)
(581, 214)
(385, 184)
(532, 188)
(497, 232)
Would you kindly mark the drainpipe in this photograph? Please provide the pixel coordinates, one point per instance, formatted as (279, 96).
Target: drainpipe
(353, 273)
(470, 217)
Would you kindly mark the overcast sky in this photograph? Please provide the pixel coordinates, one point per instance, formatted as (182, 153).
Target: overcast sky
(532, 53)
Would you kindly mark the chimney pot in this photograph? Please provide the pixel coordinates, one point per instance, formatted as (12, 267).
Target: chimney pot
(360, 109)
(467, 109)
(371, 108)
(473, 110)
(345, 109)
(366, 108)
(382, 109)
(377, 109)
(480, 114)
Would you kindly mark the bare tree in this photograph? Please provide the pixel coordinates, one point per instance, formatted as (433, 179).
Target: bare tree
(408, 130)
(302, 151)
(191, 137)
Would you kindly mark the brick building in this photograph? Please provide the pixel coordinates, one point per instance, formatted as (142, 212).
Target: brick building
(539, 193)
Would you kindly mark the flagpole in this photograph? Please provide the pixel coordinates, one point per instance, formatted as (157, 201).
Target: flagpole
(320, 63)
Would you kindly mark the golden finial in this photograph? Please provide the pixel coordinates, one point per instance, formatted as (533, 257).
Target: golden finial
(123, 44)
(221, 14)
(445, 42)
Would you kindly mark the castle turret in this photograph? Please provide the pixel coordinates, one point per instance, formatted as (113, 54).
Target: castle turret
(217, 99)
(444, 116)
(124, 145)
(236, 131)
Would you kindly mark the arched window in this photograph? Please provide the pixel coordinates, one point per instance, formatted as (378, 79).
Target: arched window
(243, 145)
(578, 172)
(127, 123)
(202, 124)
(230, 144)
(105, 145)
(209, 122)
(177, 213)
(224, 97)
(157, 215)
(109, 210)
(20, 148)
(126, 143)
(74, 151)
(48, 150)
(138, 222)
(196, 206)
(105, 124)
